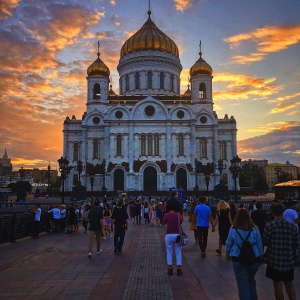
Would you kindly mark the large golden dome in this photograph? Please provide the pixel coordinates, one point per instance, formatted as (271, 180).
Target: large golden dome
(98, 67)
(201, 67)
(149, 37)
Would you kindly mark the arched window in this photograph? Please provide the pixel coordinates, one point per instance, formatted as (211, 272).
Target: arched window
(95, 149)
(172, 83)
(180, 144)
(127, 82)
(149, 79)
(202, 91)
(137, 80)
(162, 80)
(96, 91)
(119, 145)
(203, 147)
(76, 152)
(223, 150)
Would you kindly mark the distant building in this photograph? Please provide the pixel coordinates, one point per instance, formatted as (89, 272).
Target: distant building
(257, 162)
(38, 176)
(5, 165)
(274, 171)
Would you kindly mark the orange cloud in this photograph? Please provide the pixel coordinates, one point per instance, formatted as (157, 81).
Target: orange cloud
(182, 5)
(268, 39)
(285, 98)
(6, 8)
(282, 108)
(277, 126)
(243, 87)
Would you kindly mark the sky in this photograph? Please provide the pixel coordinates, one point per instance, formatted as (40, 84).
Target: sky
(47, 46)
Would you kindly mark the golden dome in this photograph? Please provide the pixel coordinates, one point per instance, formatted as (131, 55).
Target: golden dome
(149, 37)
(98, 67)
(201, 67)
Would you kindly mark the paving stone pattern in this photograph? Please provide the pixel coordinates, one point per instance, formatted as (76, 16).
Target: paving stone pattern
(149, 270)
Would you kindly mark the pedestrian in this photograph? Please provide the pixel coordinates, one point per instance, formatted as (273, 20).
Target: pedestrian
(192, 219)
(71, 216)
(85, 218)
(232, 211)
(63, 215)
(95, 217)
(259, 217)
(159, 214)
(120, 221)
(37, 220)
(146, 212)
(152, 213)
(223, 219)
(173, 199)
(281, 238)
(243, 229)
(290, 214)
(173, 220)
(55, 211)
(106, 221)
(203, 217)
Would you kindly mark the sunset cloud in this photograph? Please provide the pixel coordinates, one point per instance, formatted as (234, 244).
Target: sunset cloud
(182, 5)
(6, 8)
(241, 87)
(268, 39)
(284, 107)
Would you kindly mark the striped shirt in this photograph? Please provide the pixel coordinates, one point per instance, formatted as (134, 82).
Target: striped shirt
(281, 239)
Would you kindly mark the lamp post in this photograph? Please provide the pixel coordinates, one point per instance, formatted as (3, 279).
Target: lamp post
(103, 172)
(92, 180)
(196, 188)
(79, 168)
(63, 168)
(207, 179)
(235, 170)
(220, 166)
(49, 175)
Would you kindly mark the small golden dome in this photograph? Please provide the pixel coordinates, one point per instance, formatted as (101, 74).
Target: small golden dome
(201, 67)
(149, 37)
(98, 67)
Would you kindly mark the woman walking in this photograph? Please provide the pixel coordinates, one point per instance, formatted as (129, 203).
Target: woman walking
(223, 218)
(107, 221)
(172, 219)
(243, 228)
(192, 219)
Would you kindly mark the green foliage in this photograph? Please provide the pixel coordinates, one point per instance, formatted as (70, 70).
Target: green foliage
(21, 188)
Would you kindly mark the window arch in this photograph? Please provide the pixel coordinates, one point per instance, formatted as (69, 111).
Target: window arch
(202, 91)
(76, 152)
(162, 80)
(96, 149)
(149, 79)
(137, 80)
(96, 91)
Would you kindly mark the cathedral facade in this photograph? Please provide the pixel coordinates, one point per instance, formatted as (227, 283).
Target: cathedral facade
(149, 137)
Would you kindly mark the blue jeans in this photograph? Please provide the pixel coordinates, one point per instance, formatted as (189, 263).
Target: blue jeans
(245, 279)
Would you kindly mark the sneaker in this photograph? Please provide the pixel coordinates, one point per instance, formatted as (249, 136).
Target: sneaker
(170, 272)
(179, 272)
(218, 251)
(104, 238)
(203, 254)
(90, 255)
(99, 252)
(119, 251)
(116, 250)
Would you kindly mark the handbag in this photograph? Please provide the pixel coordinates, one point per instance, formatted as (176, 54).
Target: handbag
(183, 240)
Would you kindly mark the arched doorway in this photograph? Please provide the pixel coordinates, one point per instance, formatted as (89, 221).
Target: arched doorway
(119, 180)
(150, 179)
(181, 179)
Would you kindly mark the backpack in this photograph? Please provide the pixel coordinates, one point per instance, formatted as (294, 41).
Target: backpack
(247, 255)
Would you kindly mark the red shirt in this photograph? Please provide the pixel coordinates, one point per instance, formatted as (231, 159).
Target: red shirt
(171, 219)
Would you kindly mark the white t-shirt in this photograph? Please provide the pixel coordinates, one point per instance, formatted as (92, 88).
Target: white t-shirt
(290, 215)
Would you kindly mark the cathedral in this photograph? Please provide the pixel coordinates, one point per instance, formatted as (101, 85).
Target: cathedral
(149, 137)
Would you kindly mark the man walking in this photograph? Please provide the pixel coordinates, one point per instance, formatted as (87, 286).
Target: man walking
(203, 217)
(282, 240)
(95, 218)
(120, 218)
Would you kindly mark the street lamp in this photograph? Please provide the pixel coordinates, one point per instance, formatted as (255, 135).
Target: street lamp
(92, 180)
(103, 172)
(220, 166)
(235, 170)
(207, 179)
(196, 188)
(79, 168)
(49, 175)
(63, 168)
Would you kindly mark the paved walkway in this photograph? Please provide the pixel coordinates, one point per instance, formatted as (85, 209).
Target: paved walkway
(56, 266)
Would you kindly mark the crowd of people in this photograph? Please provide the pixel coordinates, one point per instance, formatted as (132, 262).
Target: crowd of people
(274, 237)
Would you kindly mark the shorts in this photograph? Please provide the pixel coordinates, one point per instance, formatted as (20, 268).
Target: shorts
(276, 275)
(106, 222)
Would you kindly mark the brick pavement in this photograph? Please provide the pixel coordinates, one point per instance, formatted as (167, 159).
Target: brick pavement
(57, 267)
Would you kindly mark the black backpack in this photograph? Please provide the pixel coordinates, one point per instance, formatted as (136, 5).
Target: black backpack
(247, 255)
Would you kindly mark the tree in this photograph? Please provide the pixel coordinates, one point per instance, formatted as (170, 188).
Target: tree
(21, 188)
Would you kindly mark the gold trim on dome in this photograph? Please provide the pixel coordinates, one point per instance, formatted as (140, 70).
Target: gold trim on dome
(149, 37)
